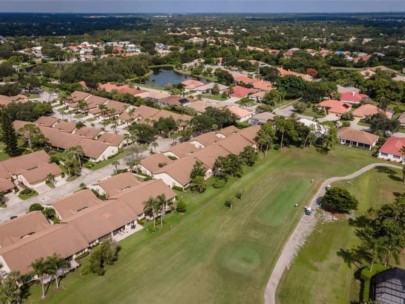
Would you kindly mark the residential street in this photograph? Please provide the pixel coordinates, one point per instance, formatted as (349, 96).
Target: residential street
(303, 229)
(88, 177)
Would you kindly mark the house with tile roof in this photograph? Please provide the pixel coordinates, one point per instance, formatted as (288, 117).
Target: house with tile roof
(357, 138)
(334, 106)
(391, 149)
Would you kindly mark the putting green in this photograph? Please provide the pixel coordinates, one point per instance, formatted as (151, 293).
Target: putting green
(241, 258)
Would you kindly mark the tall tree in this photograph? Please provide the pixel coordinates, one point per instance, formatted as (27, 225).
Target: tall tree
(9, 135)
(11, 288)
(34, 137)
(55, 265)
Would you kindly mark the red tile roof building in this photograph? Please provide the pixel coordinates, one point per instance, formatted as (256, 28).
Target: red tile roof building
(391, 149)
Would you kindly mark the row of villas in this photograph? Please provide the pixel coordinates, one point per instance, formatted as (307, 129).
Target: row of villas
(97, 146)
(27, 171)
(175, 165)
(84, 221)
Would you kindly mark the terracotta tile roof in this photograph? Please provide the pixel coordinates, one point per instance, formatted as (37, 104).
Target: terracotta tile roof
(245, 79)
(393, 146)
(357, 136)
(155, 162)
(22, 226)
(111, 139)
(192, 84)
(46, 121)
(335, 106)
(263, 85)
(93, 148)
(239, 112)
(239, 91)
(145, 112)
(369, 110)
(120, 182)
(352, 97)
(94, 101)
(75, 203)
(175, 100)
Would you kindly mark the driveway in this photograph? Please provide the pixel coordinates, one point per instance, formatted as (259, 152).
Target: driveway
(88, 177)
(303, 229)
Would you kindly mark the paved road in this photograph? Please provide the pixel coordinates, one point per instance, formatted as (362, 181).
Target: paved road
(88, 177)
(302, 231)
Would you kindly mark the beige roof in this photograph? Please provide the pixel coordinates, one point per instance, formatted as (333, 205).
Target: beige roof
(41, 173)
(209, 155)
(118, 106)
(228, 130)
(136, 197)
(6, 185)
(206, 139)
(250, 133)
(155, 162)
(77, 95)
(22, 226)
(65, 126)
(100, 220)
(75, 203)
(145, 111)
(154, 94)
(87, 132)
(183, 149)
(94, 101)
(91, 148)
(19, 256)
(235, 143)
(357, 136)
(111, 139)
(180, 170)
(46, 121)
(115, 184)
(201, 105)
(19, 164)
(126, 116)
(369, 110)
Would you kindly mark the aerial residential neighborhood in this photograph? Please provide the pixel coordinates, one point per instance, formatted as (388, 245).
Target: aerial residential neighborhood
(202, 152)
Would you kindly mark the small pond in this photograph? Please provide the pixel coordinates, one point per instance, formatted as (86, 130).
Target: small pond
(162, 77)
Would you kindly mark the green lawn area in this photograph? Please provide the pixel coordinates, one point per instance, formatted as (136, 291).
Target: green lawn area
(310, 112)
(3, 154)
(214, 97)
(106, 162)
(363, 123)
(318, 273)
(213, 254)
(79, 116)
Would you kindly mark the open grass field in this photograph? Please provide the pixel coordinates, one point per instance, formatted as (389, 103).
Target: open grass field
(318, 273)
(213, 254)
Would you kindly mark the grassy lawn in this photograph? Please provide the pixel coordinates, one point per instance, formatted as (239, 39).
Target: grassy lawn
(79, 116)
(310, 112)
(214, 97)
(363, 123)
(106, 162)
(318, 271)
(25, 196)
(3, 154)
(213, 254)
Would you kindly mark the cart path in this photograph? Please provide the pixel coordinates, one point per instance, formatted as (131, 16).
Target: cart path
(303, 229)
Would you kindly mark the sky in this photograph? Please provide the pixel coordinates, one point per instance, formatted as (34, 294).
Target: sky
(202, 6)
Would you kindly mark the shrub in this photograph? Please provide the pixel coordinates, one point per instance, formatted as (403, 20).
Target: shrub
(338, 200)
(229, 203)
(219, 183)
(181, 206)
(177, 188)
(172, 157)
(366, 275)
(276, 147)
(89, 165)
(345, 124)
(36, 207)
(239, 194)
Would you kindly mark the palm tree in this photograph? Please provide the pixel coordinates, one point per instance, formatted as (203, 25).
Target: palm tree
(161, 202)
(51, 179)
(56, 264)
(10, 289)
(115, 163)
(82, 105)
(152, 205)
(41, 268)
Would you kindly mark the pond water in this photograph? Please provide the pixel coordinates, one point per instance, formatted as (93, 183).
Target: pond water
(162, 77)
